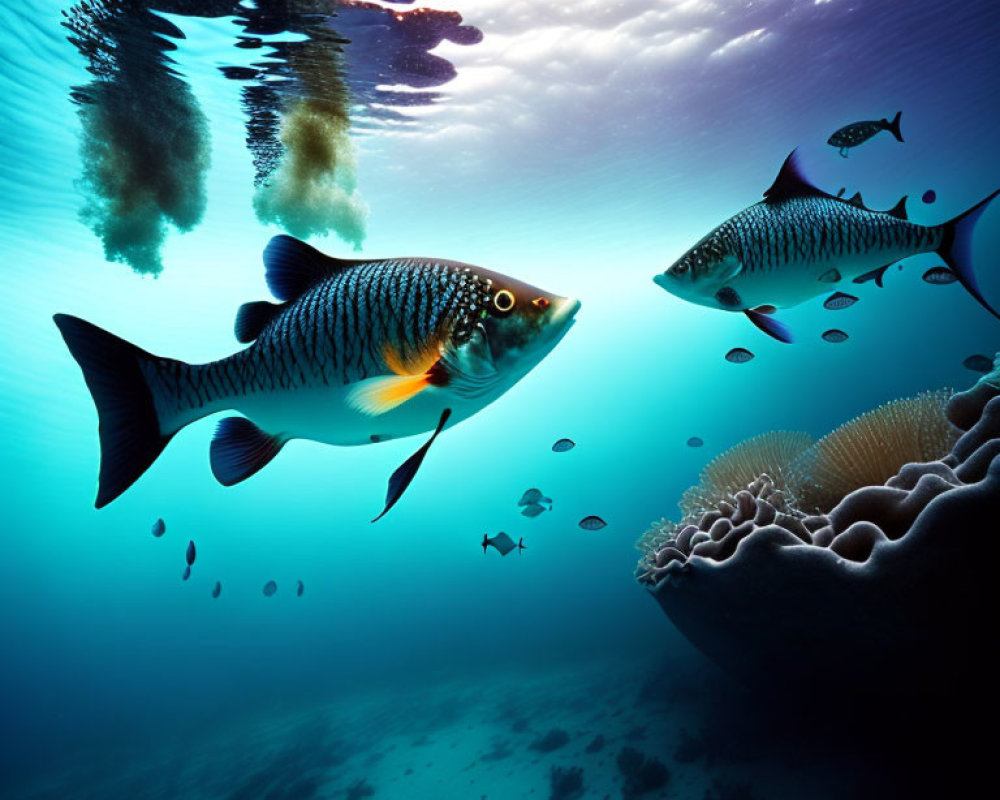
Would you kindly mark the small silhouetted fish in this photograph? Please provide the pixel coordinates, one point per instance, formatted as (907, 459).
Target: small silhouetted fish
(839, 300)
(858, 132)
(501, 542)
(830, 276)
(695, 441)
(190, 553)
(159, 528)
(563, 445)
(217, 589)
(592, 523)
(739, 355)
(929, 196)
(532, 510)
(978, 363)
(835, 336)
(187, 573)
(270, 588)
(940, 275)
(299, 589)
(529, 497)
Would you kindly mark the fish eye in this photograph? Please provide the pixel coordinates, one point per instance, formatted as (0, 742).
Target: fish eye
(503, 300)
(540, 303)
(680, 269)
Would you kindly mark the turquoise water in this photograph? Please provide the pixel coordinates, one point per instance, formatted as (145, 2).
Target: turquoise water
(581, 148)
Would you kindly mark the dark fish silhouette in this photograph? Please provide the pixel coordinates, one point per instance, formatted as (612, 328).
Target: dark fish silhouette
(929, 196)
(592, 523)
(501, 542)
(191, 553)
(859, 132)
(530, 496)
(532, 510)
(978, 363)
(187, 573)
(834, 336)
(695, 441)
(159, 528)
(940, 276)
(563, 445)
(270, 588)
(217, 589)
(299, 589)
(520, 545)
(739, 355)
(839, 300)
(876, 275)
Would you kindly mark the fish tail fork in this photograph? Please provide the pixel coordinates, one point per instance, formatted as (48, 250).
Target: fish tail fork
(129, 424)
(956, 249)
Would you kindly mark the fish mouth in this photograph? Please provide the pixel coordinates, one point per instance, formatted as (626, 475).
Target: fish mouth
(660, 279)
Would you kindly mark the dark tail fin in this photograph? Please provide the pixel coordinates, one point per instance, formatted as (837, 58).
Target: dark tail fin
(893, 127)
(129, 427)
(956, 249)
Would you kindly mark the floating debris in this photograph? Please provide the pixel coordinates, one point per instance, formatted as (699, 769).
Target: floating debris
(187, 573)
(299, 588)
(834, 336)
(695, 441)
(940, 276)
(217, 589)
(839, 300)
(270, 588)
(532, 510)
(739, 355)
(159, 528)
(592, 523)
(502, 543)
(929, 196)
(563, 445)
(978, 363)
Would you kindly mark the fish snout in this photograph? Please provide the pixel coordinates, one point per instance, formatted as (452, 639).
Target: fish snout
(564, 309)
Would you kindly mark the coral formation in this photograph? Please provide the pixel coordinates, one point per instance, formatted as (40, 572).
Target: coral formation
(552, 740)
(891, 582)
(566, 783)
(771, 453)
(870, 448)
(642, 773)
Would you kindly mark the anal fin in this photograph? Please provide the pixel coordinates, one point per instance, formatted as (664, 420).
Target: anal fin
(404, 474)
(239, 449)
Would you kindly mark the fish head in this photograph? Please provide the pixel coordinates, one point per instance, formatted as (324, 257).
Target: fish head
(701, 274)
(522, 323)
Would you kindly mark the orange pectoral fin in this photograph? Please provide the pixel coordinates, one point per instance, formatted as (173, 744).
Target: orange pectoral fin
(378, 395)
(416, 363)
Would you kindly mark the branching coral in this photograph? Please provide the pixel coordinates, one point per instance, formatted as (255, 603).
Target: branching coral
(872, 447)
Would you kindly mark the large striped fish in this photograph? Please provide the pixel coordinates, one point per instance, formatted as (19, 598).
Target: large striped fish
(356, 352)
(800, 240)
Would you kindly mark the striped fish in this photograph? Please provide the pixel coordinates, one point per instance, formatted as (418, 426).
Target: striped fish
(354, 352)
(799, 240)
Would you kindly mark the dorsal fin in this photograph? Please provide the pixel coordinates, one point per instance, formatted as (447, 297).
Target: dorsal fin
(857, 201)
(252, 318)
(899, 210)
(791, 182)
(292, 266)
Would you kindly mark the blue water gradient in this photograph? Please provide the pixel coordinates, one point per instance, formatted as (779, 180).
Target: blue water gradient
(585, 192)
